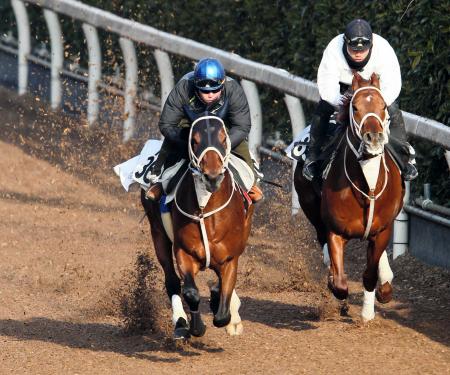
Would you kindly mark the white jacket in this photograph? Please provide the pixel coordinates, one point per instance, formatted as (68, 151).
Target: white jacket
(334, 69)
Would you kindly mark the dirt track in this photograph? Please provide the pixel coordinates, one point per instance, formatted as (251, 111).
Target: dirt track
(69, 241)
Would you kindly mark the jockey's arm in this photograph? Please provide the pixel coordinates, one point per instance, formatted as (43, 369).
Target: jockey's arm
(328, 75)
(172, 114)
(389, 72)
(239, 122)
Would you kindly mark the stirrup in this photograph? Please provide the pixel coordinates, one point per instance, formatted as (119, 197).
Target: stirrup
(155, 192)
(308, 170)
(255, 194)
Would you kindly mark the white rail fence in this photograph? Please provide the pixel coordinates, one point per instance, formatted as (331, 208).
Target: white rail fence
(250, 72)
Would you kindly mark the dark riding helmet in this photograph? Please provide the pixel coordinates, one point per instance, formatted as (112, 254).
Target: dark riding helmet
(209, 75)
(358, 35)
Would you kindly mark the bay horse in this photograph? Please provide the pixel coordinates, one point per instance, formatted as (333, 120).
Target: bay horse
(360, 196)
(210, 228)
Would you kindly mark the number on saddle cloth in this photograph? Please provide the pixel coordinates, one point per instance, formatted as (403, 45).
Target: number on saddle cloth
(297, 149)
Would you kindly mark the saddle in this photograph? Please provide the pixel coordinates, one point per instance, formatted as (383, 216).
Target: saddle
(241, 172)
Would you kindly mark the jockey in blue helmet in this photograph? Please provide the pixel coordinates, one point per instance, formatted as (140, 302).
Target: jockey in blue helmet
(206, 89)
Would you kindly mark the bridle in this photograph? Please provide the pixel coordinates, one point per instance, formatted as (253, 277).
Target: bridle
(356, 127)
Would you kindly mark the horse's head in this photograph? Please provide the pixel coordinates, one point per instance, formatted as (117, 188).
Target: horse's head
(369, 118)
(209, 149)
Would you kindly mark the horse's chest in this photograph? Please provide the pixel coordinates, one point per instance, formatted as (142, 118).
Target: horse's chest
(191, 240)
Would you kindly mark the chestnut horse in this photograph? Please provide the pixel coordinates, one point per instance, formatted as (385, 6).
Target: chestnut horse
(360, 196)
(210, 226)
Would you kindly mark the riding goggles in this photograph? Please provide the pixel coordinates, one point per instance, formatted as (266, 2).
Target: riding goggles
(209, 85)
(359, 43)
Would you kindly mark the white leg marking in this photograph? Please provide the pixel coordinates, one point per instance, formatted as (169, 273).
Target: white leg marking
(384, 270)
(235, 326)
(368, 309)
(326, 255)
(177, 309)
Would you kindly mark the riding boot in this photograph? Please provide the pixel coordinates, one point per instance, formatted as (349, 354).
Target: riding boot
(241, 150)
(155, 192)
(317, 132)
(255, 194)
(402, 150)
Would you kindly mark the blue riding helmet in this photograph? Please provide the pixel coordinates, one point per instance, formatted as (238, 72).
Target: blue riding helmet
(209, 75)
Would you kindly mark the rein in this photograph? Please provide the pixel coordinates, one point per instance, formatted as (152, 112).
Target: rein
(356, 130)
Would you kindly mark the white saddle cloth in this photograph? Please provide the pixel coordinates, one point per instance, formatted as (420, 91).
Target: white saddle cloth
(136, 170)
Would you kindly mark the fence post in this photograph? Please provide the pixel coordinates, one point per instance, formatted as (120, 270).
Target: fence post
(95, 71)
(297, 116)
(400, 235)
(23, 31)
(165, 74)
(255, 136)
(57, 52)
(129, 55)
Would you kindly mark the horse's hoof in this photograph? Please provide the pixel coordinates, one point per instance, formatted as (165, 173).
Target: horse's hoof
(235, 329)
(220, 322)
(197, 327)
(181, 331)
(384, 293)
(340, 294)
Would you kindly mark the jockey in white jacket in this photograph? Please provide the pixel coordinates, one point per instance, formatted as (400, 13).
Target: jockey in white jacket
(358, 50)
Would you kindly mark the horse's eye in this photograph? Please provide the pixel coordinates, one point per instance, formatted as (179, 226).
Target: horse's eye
(354, 108)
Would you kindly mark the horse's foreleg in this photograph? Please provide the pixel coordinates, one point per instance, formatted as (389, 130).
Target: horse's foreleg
(370, 277)
(385, 275)
(188, 269)
(228, 273)
(235, 326)
(337, 280)
(163, 249)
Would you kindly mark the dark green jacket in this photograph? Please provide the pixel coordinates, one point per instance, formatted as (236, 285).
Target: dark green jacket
(237, 117)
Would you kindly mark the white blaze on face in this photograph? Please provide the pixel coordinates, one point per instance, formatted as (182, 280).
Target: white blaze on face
(369, 98)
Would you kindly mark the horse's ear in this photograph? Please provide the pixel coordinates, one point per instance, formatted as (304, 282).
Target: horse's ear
(356, 81)
(196, 137)
(222, 136)
(375, 80)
